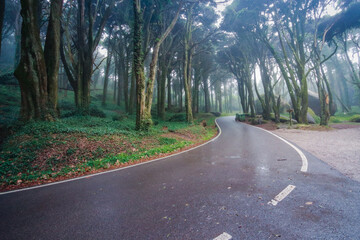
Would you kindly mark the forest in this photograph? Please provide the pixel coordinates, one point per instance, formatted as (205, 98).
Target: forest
(97, 84)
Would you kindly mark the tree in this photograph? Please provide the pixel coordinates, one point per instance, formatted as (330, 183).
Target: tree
(144, 98)
(38, 68)
(80, 68)
(2, 14)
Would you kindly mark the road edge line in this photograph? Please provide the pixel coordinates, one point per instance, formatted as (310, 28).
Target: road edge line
(117, 169)
(305, 164)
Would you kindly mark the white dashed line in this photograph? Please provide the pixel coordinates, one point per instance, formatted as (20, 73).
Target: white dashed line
(283, 194)
(223, 236)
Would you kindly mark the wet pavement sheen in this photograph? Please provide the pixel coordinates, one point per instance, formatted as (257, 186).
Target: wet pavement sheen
(224, 186)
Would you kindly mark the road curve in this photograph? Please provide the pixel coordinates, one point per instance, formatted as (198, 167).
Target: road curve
(221, 187)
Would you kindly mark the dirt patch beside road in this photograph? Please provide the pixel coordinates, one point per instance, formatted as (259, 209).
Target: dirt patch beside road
(340, 148)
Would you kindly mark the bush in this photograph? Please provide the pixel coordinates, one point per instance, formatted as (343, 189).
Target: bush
(334, 119)
(216, 114)
(178, 117)
(119, 117)
(355, 118)
(66, 106)
(240, 117)
(93, 111)
(316, 117)
(167, 141)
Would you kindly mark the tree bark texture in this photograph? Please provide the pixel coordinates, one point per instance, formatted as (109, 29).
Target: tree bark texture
(52, 54)
(36, 101)
(142, 121)
(2, 14)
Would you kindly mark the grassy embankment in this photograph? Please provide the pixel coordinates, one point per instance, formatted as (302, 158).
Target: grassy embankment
(41, 152)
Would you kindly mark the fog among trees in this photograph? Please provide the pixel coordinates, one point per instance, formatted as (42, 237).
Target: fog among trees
(151, 58)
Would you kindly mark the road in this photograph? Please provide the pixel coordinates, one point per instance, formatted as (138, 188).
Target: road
(225, 186)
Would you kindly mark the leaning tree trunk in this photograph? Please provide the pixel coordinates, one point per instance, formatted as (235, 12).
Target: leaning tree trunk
(153, 68)
(31, 71)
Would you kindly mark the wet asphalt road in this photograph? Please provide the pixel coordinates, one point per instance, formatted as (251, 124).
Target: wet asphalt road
(223, 186)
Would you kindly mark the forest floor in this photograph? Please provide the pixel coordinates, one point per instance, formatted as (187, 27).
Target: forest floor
(41, 152)
(75, 145)
(338, 145)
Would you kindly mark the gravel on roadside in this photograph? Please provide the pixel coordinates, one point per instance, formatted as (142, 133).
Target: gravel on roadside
(340, 148)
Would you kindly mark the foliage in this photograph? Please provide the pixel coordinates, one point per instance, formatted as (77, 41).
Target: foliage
(240, 117)
(355, 118)
(178, 117)
(20, 158)
(316, 117)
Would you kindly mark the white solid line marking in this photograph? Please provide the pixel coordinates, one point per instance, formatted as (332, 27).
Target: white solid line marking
(283, 194)
(223, 236)
(304, 160)
(114, 170)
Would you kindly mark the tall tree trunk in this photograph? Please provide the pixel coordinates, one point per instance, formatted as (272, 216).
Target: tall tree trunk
(162, 93)
(241, 91)
(206, 93)
(250, 96)
(265, 78)
(2, 14)
(169, 102)
(126, 83)
(52, 55)
(142, 122)
(153, 69)
(115, 85)
(187, 67)
(181, 87)
(195, 95)
(17, 34)
(106, 77)
(31, 71)
(132, 100)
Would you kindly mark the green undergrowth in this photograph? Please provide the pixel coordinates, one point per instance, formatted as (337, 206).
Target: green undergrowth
(76, 144)
(13, 173)
(350, 117)
(39, 151)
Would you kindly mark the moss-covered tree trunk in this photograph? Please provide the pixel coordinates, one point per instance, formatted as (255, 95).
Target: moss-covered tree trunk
(52, 55)
(32, 71)
(187, 67)
(266, 81)
(153, 69)
(17, 36)
(250, 97)
(324, 99)
(132, 98)
(195, 95)
(162, 86)
(169, 102)
(138, 69)
(2, 14)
